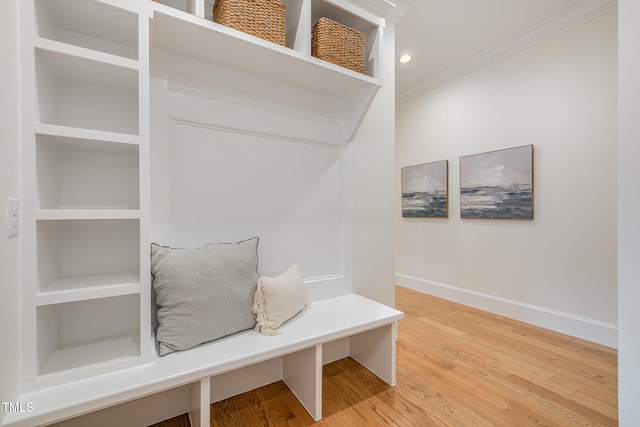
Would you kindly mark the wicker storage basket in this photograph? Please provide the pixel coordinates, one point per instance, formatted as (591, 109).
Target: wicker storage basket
(261, 18)
(339, 44)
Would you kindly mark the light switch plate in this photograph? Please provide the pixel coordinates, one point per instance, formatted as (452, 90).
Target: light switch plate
(13, 217)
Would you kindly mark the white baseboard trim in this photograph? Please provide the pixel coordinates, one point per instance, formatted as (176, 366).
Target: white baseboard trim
(579, 327)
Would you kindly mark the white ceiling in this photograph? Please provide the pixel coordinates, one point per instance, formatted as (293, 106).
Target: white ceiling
(448, 38)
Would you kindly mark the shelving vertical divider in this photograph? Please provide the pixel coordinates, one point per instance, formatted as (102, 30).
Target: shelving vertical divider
(302, 42)
(196, 7)
(28, 191)
(144, 47)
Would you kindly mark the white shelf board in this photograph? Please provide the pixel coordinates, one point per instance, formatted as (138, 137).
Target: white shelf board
(81, 52)
(83, 353)
(68, 66)
(184, 34)
(87, 136)
(79, 288)
(82, 214)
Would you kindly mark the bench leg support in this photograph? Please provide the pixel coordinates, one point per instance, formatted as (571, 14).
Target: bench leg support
(199, 412)
(376, 350)
(302, 372)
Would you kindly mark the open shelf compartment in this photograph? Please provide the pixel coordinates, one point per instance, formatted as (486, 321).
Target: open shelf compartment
(86, 174)
(77, 92)
(89, 24)
(87, 254)
(83, 333)
(371, 31)
(204, 9)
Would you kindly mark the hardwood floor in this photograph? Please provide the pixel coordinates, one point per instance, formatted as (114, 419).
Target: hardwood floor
(456, 366)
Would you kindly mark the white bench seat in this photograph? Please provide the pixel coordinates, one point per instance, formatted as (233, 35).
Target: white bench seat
(365, 330)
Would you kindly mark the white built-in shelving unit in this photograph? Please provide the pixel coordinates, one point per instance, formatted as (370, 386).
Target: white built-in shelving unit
(87, 145)
(85, 157)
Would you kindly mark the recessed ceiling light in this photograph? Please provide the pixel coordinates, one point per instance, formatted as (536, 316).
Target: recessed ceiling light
(405, 58)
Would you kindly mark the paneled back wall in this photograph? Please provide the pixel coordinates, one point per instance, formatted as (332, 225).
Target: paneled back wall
(226, 167)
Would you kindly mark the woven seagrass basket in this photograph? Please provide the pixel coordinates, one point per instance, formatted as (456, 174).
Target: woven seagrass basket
(338, 44)
(261, 18)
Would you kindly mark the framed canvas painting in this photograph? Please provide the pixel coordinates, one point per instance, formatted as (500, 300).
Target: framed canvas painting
(498, 184)
(424, 190)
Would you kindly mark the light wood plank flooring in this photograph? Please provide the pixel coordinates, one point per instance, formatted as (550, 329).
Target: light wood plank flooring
(456, 366)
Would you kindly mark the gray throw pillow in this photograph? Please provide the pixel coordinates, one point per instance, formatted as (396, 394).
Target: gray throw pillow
(203, 294)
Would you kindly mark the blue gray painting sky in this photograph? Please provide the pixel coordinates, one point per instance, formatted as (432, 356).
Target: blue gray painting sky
(426, 178)
(505, 168)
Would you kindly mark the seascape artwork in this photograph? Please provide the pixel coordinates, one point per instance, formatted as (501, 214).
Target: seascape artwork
(424, 190)
(498, 184)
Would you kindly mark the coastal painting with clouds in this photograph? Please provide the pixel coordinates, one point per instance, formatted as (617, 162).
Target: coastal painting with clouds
(424, 190)
(498, 184)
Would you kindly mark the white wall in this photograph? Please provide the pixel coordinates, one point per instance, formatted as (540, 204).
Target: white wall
(373, 149)
(9, 187)
(559, 270)
(629, 212)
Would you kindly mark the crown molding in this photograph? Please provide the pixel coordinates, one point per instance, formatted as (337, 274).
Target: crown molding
(400, 10)
(535, 35)
(380, 8)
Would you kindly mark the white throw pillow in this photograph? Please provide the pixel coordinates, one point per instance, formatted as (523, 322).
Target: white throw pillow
(278, 299)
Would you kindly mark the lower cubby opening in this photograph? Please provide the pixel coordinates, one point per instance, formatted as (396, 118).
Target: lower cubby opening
(82, 333)
(137, 413)
(346, 385)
